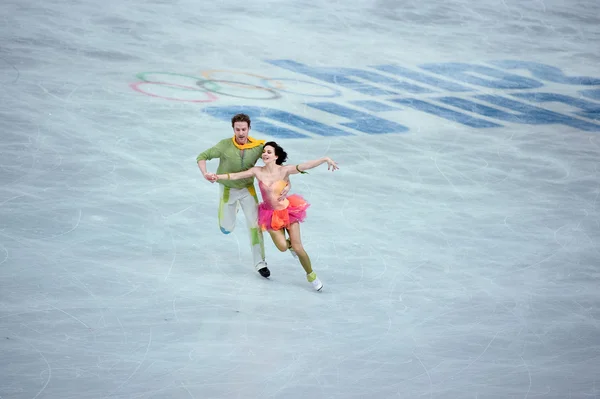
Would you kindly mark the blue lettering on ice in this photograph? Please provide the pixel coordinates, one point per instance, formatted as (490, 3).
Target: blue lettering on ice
(547, 72)
(373, 106)
(259, 116)
(423, 78)
(540, 114)
(588, 109)
(343, 77)
(361, 121)
(594, 94)
(523, 113)
(497, 79)
(392, 81)
(446, 113)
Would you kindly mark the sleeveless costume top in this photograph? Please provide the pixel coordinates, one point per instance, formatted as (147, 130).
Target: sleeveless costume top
(271, 193)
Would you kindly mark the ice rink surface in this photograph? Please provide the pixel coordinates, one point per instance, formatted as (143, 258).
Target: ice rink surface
(458, 243)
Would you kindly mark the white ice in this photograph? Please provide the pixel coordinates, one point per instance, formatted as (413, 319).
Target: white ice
(457, 262)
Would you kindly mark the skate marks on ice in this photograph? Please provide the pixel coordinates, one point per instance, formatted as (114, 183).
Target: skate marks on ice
(458, 264)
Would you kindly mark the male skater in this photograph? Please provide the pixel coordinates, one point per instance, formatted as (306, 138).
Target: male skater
(236, 154)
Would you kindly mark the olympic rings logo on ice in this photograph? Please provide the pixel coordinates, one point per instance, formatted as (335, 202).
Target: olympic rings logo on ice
(213, 84)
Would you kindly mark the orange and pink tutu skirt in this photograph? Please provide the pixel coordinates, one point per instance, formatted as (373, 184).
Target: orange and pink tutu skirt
(271, 219)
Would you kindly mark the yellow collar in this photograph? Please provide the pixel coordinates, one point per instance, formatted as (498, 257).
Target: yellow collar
(252, 142)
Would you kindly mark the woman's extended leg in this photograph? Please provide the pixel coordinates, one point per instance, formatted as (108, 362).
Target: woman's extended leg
(296, 240)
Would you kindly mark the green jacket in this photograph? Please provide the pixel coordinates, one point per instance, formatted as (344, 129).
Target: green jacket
(232, 160)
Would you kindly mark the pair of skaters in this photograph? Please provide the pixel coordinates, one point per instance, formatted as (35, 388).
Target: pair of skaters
(279, 213)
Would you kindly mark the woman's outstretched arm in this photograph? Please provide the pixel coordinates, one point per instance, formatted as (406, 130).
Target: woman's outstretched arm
(236, 176)
(300, 168)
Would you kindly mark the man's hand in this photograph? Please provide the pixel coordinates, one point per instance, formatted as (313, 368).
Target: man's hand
(211, 177)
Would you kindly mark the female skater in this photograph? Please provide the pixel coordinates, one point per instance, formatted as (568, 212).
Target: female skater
(278, 216)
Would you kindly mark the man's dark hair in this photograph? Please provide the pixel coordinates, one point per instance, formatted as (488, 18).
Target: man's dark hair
(240, 118)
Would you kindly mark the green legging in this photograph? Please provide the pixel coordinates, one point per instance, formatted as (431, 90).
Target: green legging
(231, 200)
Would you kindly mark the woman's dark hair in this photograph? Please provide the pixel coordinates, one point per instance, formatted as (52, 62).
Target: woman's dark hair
(279, 152)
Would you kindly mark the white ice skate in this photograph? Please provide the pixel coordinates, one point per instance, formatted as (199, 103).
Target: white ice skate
(314, 280)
